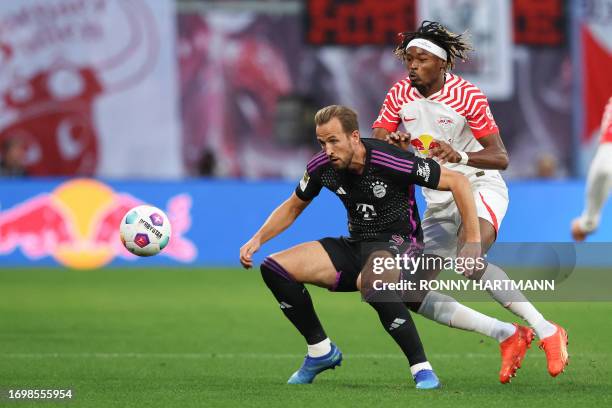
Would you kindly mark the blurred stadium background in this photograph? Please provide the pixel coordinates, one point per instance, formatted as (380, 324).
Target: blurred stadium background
(204, 109)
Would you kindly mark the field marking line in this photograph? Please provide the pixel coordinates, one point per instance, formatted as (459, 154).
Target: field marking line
(202, 356)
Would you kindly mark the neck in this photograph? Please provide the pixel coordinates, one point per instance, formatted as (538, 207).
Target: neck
(358, 162)
(428, 90)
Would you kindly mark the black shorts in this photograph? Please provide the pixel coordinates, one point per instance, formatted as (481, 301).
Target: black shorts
(349, 255)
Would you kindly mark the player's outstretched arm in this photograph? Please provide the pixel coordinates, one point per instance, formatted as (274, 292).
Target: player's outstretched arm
(279, 220)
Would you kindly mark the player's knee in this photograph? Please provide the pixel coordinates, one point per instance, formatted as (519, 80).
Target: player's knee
(414, 298)
(413, 306)
(272, 269)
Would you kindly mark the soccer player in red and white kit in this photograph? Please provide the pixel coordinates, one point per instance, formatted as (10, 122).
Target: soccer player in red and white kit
(599, 181)
(449, 118)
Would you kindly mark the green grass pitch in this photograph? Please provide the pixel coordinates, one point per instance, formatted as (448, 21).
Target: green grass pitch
(204, 337)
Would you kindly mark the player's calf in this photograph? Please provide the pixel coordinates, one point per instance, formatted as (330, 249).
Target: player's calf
(294, 300)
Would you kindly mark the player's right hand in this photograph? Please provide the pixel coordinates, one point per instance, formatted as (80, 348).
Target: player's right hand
(247, 251)
(473, 262)
(399, 139)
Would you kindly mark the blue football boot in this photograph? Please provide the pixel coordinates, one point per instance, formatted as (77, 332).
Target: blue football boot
(315, 365)
(426, 380)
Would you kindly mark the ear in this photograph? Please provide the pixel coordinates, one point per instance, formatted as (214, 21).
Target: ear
(443, 64)
(355, 136)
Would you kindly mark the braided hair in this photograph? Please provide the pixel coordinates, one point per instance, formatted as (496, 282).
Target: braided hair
(455, 45)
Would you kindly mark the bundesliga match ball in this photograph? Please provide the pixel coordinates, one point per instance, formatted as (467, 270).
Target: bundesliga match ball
(145, 230)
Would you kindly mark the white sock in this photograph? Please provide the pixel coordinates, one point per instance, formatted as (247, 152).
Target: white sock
(598, 187)
(446, 310)
(517, 303)
(421, 366)
(320, 349)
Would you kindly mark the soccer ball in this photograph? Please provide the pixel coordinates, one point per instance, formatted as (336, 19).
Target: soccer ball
(145, 230)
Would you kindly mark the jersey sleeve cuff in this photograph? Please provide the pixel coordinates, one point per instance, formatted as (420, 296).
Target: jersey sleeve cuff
(485, 132)
(390, 127)
(435, 182)
(300, 194)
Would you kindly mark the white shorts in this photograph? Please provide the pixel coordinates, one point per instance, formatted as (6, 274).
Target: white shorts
(441, 222)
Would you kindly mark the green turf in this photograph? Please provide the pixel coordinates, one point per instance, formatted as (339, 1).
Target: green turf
(190, 337)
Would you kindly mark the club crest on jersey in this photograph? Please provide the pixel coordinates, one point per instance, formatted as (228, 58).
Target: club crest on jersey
(304, 181)
(424, 171)
(379, 189)
(445, 123)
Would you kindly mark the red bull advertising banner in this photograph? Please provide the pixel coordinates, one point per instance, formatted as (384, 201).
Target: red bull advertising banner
(73, 74)
(76, 223)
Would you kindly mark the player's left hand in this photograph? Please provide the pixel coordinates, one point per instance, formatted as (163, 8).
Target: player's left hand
(399, 139)
(473, 262)
(444, 152)
(247, 251)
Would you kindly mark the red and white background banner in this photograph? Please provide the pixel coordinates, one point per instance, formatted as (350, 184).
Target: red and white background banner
(489, 26)
(593, 54)
(72, 76)
(242, 73)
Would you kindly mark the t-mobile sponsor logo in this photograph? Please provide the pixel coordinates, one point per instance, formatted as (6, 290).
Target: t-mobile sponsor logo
(367, 210)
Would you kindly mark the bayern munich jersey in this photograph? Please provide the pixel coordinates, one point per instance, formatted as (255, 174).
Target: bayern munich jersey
(606, 123)
(381, 199)
(458, 114)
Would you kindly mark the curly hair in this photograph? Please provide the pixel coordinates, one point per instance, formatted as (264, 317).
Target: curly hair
(455, 45)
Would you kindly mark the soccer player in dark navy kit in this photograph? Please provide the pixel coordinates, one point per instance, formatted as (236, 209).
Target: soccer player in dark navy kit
(375, 181)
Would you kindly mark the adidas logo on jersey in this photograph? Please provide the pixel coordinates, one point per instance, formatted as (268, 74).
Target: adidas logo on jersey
(340, 191)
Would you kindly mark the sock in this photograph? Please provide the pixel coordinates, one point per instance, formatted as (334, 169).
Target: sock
(418, 367)
(294, 300)
(447, 311)
(397, 321)
(320, 349)
(598, 187)
(517, 303)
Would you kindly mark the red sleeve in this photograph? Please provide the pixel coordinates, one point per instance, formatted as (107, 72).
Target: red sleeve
(606, 124)
(389, 117)
(480, 119)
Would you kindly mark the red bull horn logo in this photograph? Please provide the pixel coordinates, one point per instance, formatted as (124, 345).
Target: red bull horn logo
(78, 225)
(423, 143)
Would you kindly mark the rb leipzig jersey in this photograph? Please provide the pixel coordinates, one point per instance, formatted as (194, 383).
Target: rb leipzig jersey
(606, 123)
(458, 114)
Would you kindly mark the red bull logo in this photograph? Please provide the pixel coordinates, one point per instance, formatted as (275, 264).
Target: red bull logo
(423, 143)
(78, 225)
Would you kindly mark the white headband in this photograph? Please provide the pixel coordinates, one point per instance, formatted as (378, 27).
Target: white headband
(427, 46)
